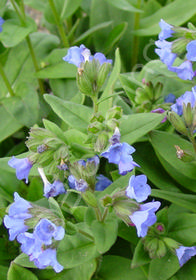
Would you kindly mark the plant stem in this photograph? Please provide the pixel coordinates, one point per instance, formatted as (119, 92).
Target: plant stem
(59, 24)
(6, 81)
(95, 104)
(22, 16)
(136, 38)
(41, 85)
(104, 214)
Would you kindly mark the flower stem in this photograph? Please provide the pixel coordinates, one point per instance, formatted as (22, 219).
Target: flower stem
(136, 38)
(6, 81)
(95, 104)
(22, 16)
(59, 24)
(104, 214)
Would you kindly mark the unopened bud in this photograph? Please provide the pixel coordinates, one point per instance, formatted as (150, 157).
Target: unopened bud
(188, 114)
(179, 45)
(177, 122)
(101, 142)
(171, 243)
(90, 199)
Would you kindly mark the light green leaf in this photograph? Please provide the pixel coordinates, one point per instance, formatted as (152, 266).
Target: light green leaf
(135, 126)
(16, 272)
(105, 105)
(92, 30)
(75, 250)
(13, 33)
(124, 5)
(75, 115)
(140, 256)
(177, 12)
(59, 70)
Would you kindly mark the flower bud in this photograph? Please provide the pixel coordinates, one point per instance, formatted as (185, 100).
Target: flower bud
(114, 113)
(155, 247)
(90, 199)
(171, 243)
(103, 74)
(177, 122)
(188, 114)
(179, 45)
(101, 142)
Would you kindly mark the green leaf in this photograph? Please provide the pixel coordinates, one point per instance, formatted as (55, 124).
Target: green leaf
(91, 30)
(124, 5)
(183, 172)
(13, 33)
(35, 189)
(119, 268)
(152, 168)
(105, 234)
(163, 268)
(182, 228)
(104, 106)
(187, 201)
(114, 36)
(75, 250)
(54, 129)
(140, 256)
(82, 272)
(130, 84)
(135, 126)
(3, 272)
(16, 272)
(23, 260)
(9, 125)
(58, 70)
(128, 233)
(176, 13)
(75, 115)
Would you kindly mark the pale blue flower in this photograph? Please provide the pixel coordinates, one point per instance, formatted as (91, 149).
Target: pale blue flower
(17, 214)
(187, 97)
(22, 166)
(166, 30)
(191, 51)
(48, 258)
(77, 55)
(30, 245)
(120, 153)
(185, 253)
(45, 231)
(1, 23)
(184, 70)
(145, 217)
(138, 188)
(101, 58)
(165, 53)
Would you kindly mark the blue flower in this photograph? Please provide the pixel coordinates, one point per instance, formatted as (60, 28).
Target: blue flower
(101, 58)
(120, 153)
(1, 23)
(138, 188)
(145, 217)
(79, 55)
(45, 230)
(51, 190)
(166, 30)
(184, 70)
(191, 51)
(102, 182)
(170, 98)
(81, 185)
(32, 246)
(185, 253)
(165, 53)
(187, 97)
(22, 166)
(48, 258)
(17, 214)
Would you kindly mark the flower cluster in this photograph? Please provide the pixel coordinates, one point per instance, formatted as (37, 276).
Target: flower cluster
(39, 245)
(79, 55)
(144, 217)
(169, 51)
(120, 153)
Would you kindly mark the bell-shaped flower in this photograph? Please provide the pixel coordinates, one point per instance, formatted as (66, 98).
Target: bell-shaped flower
(17, 214)
(166, 30)
(101, 58)
(77, 55)
(138, 188)
(185, 253)
(102, 182)
(187, 97)
(191, 51)
(184, 70)
(45, 230)
(145, 217)
(165, 53)
(51, 190)
(22, 166)
(48, 258)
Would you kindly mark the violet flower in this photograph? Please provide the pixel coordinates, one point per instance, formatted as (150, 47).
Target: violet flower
(138, 188)
(17, 214)
(185, 253)
(166, 30)
(145, 217)
(22, 166)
